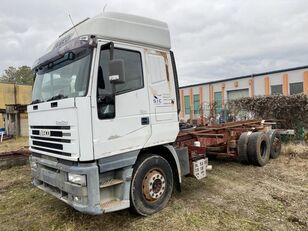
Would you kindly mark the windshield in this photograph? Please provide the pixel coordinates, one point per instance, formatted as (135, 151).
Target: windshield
(63, 78)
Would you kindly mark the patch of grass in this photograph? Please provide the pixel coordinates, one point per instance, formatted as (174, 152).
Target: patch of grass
(293, 150)
(13, 144)
(232, 197)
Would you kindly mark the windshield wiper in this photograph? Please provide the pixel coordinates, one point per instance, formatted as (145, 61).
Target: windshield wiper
(59, 96)
(37, 101)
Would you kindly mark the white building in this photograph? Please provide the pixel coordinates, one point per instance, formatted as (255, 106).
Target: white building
(199, 98)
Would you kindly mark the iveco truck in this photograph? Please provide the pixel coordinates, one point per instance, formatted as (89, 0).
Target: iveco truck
(104, 116)
(104, 125)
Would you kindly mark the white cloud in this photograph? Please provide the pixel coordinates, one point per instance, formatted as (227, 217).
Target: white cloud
(211, 39)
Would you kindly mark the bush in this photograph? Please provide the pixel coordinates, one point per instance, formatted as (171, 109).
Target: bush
(292, 110)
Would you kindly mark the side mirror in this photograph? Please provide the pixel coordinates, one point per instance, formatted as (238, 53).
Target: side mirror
(116, 71)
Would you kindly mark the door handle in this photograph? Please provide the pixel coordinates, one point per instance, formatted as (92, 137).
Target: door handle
(145, 120)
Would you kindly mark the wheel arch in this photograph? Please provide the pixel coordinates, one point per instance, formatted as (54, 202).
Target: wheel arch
(168, 152)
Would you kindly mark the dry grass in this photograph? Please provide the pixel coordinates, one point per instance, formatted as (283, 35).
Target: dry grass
(13, 144)
(232, 197)
(293, 150)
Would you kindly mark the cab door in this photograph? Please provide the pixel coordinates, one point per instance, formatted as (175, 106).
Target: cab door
(120, 124)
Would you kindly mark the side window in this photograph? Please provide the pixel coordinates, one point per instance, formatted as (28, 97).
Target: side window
(157, 68)
(133, 70)
(133, 79)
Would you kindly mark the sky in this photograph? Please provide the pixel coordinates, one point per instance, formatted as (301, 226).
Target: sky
(211, 39)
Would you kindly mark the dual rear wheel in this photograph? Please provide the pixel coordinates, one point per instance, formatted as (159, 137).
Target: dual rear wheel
(258, 147)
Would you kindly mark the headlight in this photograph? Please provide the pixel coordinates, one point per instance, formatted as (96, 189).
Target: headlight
(77, 179)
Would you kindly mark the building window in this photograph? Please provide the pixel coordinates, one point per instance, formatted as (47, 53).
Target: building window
(187, 104)
(296, 88)
(196, 104)
(237, 94)
(218, 101)
(276, 89)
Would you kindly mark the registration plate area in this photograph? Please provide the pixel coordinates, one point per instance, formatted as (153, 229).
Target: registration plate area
(58, 179)
(50, 177)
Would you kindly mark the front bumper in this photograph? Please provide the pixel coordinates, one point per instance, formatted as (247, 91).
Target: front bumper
(52, 177)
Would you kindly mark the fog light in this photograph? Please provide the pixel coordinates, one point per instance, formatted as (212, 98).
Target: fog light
(77, 179)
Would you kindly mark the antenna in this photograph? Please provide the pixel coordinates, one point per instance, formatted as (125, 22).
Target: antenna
(73, 24)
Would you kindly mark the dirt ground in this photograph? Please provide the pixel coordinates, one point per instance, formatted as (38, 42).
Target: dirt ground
(232, 197)
(13, 144)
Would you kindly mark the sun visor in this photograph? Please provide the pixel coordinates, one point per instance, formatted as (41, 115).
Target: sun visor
(63, 46)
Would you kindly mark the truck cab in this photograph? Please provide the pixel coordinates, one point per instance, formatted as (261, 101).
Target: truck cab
(104, 116)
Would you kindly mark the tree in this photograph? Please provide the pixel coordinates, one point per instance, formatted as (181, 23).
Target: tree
(20, 75)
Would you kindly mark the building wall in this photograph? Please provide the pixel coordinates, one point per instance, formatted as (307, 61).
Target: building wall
(1, 121)
(7, 94)
(15, 94)
(23, 94)
(257, 85)
(24, 129)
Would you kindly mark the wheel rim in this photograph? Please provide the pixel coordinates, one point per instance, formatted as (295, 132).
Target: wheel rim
(276, 144)
(153, 185)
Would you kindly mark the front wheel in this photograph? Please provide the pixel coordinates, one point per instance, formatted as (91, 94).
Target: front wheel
(152, 185)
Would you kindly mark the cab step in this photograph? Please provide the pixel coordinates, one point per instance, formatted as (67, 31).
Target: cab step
(111, 182)
(114, 205)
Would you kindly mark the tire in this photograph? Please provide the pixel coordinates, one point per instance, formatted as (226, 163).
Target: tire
(242, 148)
(258, 148)
(275, 142)
(152, 185)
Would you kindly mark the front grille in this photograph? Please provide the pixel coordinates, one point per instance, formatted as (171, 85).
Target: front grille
(51, 151)
(52, 133)
(52, 127)
(52, 139)
(48, 145)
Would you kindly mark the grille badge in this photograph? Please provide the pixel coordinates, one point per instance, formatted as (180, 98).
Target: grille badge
(45, 133)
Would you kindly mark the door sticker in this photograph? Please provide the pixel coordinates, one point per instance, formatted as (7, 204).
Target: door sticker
(163, 99)
(158, 99)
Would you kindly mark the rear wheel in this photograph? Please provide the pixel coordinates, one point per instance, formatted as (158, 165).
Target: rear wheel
(242, 148)
(258, 148)
(152, 185)
(275, 142)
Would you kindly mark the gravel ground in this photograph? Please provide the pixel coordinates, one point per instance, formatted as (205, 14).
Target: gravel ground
(232, 197)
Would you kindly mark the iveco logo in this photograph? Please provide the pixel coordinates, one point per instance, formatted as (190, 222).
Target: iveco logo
(44, 132)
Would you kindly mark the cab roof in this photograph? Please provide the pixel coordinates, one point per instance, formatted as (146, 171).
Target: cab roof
(123, 28)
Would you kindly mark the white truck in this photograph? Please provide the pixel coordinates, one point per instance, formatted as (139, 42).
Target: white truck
(104, 116)
(104, 125)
